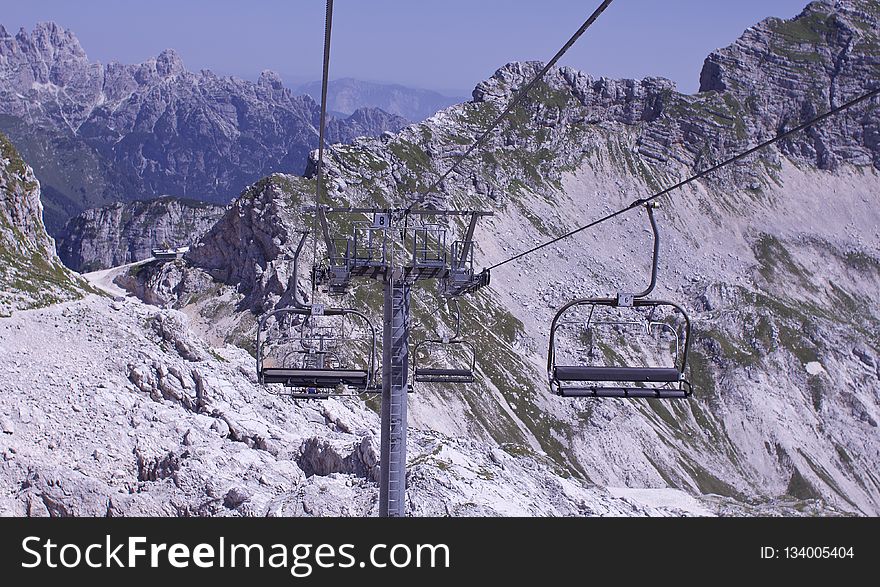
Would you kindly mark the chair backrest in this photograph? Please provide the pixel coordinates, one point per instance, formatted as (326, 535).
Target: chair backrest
(463, 365)
(591, 363)
(369, 365)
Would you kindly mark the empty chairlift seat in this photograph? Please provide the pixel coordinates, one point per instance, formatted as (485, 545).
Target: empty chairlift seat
(308, 380)
(430, 375)
(429, 372)
(587, 380)
(584, 380)
(640, 374)
(564, 376)
(319, 378)
(431, 357)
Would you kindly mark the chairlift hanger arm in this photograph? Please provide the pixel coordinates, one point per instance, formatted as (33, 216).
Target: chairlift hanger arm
(468, 238)
(656, 255)
(302, 241)
(321, 215)
(457, 319)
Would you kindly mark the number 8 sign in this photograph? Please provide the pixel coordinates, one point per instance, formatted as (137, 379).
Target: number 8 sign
(381, 220)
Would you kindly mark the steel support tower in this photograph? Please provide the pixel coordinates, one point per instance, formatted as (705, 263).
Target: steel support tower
(395, 370)
(454, 268)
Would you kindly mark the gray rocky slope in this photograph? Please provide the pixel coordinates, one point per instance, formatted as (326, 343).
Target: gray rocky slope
(138, 416)
(122, 233)
(99, 133)
(112, 408)
(164, 425)
(778, 262)
(777, 259)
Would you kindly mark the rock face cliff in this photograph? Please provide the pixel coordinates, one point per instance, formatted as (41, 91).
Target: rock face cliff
(363, 122)
(31, 275)
(120, 233)
(784, 71)
(102, 133)
(777, 260)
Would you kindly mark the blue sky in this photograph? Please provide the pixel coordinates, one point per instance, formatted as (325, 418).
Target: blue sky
(447, 46)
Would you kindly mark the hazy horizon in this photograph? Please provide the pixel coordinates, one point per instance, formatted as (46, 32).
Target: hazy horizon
(632, 39)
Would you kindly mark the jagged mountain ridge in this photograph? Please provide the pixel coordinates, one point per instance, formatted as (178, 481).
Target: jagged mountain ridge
(347, 95)
(123, 233)
(778, 74)
(102, 133)
(785, 356)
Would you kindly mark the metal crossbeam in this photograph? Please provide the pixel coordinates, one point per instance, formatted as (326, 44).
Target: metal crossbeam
(409, 273)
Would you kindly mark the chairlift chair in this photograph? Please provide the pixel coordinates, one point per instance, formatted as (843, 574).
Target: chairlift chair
(319, 367)
(324, 374)
(461, 278)
(337, 274)
(626, 381)
(460, 375)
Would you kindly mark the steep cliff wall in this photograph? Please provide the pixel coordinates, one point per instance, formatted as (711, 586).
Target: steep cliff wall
(118, 234)
(31, 274)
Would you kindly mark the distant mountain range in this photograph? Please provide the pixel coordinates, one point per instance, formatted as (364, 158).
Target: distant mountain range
(101, 133)
(346, 95)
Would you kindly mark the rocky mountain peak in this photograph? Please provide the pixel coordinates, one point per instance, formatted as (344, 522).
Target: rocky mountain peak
(780, 72)
(251, 245)
(270, 79)
(95, 131)
(506, 81)
(364, 122)
(345, 95)
(626, 100)
(51, 41)
(820, 41)
(169, 63)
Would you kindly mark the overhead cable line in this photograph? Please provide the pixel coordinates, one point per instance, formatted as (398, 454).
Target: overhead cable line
(519, 97)
(641, 202)
(319, 186)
